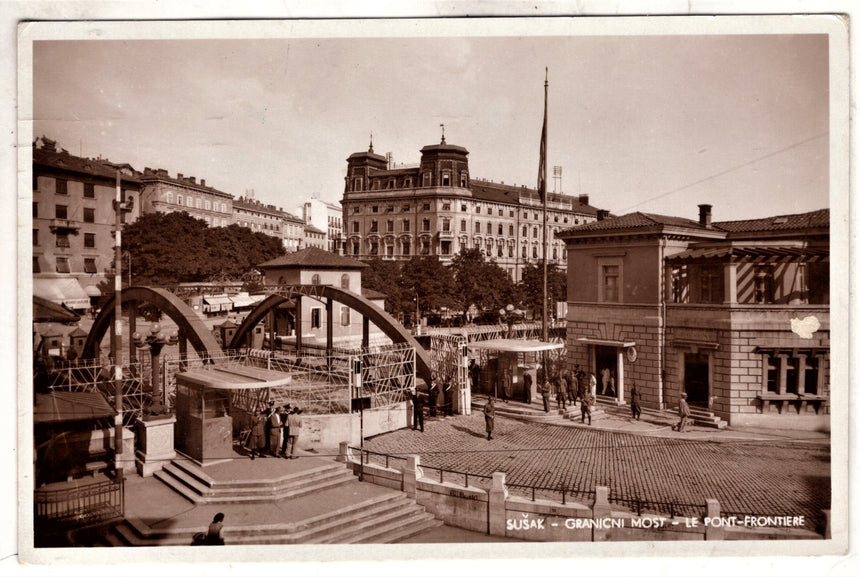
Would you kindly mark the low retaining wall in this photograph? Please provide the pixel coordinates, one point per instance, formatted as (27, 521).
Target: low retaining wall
(493, 511)
(329, 431)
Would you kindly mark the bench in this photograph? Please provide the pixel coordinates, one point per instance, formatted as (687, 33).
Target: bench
(799, 402)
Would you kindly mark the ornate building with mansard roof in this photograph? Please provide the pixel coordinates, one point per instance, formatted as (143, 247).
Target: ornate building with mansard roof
(436, 208)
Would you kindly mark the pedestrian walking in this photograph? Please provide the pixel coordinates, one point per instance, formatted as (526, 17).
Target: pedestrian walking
(474, 374)
(214, 535)
(433, 394)
(683, 413)
(274, 431)
(448, 397)
(635, 397)
(417, 411)
(561, 392)
(285, 429)
(527, 388)
(545, 394)
(258, 434)
(295, 419)
(585, 407)
(490, 417)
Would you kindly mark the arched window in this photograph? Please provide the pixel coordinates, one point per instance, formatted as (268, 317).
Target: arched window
(315, 279)
(344, 281)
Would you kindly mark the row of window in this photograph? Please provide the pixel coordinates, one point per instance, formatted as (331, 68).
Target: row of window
(62, 239)
(374, 209)
(317, 312)
(445, 249)
(446, 179)
(61, 186)
(406, 226)
(199, 203)
(63, 265)
(61, 211)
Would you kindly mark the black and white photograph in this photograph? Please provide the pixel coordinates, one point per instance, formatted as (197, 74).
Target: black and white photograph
(411, 287)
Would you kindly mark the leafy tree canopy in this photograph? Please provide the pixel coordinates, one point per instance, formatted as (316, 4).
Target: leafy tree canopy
(167, 248)
(481, 283)
(531, 287)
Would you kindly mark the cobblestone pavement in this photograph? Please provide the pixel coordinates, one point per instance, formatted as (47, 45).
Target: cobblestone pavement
(747, 477)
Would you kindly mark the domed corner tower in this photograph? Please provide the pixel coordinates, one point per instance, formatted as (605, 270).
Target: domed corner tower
(444, 165)
(360, 168)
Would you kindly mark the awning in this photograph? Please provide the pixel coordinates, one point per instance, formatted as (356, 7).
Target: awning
(64, 406)
(607, 342)
(66, 291)
(515, 346)
(760, 254)
(45, 311)
(92, 291)
(236, 378)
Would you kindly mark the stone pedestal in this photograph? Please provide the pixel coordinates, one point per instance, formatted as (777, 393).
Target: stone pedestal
(156, 444)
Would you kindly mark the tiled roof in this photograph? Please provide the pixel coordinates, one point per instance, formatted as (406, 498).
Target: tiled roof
(504, 193)
(372, 294)
(311, 228)
(814, 219)
(636, 220)
(313, 257)
(66, 161)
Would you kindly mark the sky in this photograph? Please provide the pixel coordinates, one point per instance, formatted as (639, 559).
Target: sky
(654, 123)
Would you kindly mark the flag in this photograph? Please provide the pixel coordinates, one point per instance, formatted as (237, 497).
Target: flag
(542, 169)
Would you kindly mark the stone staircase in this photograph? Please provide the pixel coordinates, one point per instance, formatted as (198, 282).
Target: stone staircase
(699, 417)
(389, 518)
(190, 481)
(535, 412)
(343, 510)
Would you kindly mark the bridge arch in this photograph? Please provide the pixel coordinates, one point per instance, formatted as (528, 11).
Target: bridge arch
(387, 323)
(189, 323)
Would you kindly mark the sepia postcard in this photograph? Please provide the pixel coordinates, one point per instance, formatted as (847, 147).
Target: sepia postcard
(433, 289)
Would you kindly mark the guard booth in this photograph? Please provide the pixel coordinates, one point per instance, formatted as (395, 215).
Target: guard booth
(212, 404)
(504, 363)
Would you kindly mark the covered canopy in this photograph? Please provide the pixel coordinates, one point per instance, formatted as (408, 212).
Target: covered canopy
(65, 406)
(515, 345)
(45, 311)
(65, 291)
(236, 378)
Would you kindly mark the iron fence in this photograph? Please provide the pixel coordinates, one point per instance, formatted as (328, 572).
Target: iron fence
(60, 510)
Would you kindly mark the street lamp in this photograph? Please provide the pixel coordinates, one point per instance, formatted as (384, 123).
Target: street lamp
(155, 341)
(511, 315)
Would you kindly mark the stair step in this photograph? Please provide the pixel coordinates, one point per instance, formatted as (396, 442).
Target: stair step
(413, 529)
(347, 532)
(392, 530)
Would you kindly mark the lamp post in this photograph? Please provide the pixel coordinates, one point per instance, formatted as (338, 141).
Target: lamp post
(155, 341)
(511, 315)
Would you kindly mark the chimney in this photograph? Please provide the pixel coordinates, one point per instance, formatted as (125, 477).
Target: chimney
(705, 214)
(179, 176)
(202, 182)
(583, 199)
(193, 179)
(602, 214)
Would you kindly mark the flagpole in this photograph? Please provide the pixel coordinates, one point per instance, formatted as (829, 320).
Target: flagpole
(542, 192)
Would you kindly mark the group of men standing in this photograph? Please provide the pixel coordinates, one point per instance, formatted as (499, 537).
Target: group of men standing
(275, 431)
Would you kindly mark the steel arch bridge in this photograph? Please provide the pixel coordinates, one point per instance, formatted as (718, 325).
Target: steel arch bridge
(191, 327)
(369, 311)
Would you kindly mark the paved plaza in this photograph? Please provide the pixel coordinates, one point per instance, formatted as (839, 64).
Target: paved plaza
(760, 474)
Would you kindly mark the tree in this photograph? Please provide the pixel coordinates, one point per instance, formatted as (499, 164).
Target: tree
(384, 276)
(479, 282)
(531, 287)
(428, 280)
(175, 247)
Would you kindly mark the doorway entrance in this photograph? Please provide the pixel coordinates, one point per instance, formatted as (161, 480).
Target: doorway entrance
(696, 378)
(606, 367)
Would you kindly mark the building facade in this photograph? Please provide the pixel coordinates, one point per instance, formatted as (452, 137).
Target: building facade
(258, 216)
(314, 237)
(163, 193)
(328, 217)
(293, 232)
(734, 314)
(74, 222)
(317, 266)
(437, 209)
